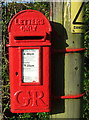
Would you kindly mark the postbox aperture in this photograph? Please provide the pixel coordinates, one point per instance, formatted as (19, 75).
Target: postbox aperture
(29, 62)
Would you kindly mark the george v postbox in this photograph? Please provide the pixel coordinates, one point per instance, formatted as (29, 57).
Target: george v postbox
(29, 62)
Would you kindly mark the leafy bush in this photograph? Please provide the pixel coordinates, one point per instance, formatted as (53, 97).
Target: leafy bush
(8, 11)
(86, 68)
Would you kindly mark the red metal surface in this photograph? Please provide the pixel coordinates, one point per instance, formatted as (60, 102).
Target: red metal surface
(69, 96)
(29, 29)
(68, 50)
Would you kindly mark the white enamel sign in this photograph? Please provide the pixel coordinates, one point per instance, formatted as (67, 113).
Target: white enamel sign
(30, 65)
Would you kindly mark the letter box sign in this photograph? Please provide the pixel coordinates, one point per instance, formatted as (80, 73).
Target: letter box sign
(29, 62)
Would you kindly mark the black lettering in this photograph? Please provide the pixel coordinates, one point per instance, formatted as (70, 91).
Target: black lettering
(30, 53)
(30, 65)
(78, 27)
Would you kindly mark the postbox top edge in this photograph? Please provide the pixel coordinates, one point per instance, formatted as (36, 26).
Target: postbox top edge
(29, 10)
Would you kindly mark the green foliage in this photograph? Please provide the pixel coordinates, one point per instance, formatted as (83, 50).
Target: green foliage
(86, 68)
(43, 116)
(8, 11)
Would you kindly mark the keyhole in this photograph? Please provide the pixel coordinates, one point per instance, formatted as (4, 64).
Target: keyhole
(16, 73)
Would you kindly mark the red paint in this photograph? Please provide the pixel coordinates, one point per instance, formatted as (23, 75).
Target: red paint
(31, 98)
(68, 50)
(69, 96)
(29, 29)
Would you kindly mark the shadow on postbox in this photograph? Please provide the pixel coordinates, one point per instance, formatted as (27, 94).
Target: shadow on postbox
(29, 62)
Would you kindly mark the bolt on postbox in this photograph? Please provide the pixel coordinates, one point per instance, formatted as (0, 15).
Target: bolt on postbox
(29, 62)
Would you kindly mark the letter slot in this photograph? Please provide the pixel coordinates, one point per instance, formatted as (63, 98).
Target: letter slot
(29, 37)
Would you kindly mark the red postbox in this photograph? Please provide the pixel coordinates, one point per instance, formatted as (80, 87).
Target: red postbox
(29, 62)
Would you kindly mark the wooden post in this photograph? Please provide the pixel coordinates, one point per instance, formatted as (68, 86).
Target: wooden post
(67, 68)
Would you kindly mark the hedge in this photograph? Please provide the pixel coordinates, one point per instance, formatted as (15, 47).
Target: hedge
(8, 11)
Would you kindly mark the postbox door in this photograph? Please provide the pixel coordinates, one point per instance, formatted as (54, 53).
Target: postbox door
(29, 79)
